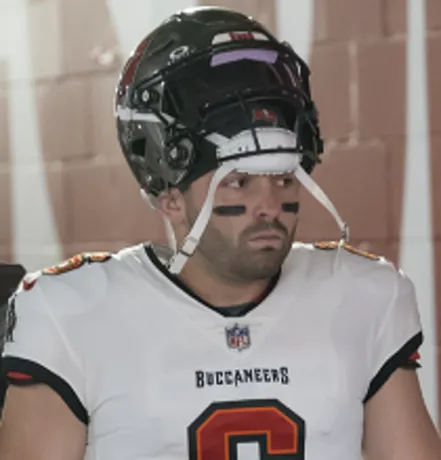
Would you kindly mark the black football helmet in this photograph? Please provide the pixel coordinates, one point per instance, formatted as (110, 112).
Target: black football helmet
(204, 74)
(212, 89)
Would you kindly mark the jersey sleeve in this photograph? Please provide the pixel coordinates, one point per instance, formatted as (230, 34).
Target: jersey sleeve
(398, 337)
(37, 349)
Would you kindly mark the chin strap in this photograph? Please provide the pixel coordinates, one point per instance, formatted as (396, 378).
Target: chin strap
(192, 239)
(313, 188)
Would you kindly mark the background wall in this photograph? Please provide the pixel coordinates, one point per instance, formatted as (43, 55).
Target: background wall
(64, 186)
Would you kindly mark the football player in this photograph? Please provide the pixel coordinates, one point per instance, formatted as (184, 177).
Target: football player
(232, 344)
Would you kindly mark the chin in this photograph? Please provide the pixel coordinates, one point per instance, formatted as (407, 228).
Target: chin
(262, 264)
(262, 274)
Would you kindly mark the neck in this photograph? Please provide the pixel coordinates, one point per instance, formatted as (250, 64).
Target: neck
(218, 290)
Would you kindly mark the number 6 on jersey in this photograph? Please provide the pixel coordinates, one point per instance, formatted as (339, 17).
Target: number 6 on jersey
(217, 433)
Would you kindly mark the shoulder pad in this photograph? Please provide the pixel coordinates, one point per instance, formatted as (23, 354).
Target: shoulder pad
(77, 261)
(330, 245)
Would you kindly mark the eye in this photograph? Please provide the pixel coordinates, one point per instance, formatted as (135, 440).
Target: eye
(237, 182)
(285, 181)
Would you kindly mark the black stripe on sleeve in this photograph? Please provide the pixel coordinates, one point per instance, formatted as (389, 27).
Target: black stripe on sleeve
(40, 374)
(399, 359)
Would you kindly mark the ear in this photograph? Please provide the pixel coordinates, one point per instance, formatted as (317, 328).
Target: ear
(172, 205)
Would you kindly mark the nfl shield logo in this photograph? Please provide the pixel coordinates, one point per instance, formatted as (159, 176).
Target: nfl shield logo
(238, 337)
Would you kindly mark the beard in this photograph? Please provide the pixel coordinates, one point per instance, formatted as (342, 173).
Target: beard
(238, 261)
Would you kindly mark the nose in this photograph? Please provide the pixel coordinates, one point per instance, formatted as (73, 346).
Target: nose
(268, 204)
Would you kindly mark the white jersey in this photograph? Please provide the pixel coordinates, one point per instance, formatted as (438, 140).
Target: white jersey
(156, 374)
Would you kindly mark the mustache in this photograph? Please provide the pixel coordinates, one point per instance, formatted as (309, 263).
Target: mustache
(264, 227)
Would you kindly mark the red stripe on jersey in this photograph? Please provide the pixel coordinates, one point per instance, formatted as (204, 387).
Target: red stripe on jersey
(414, 357)
(28, 285)
(19, 376)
